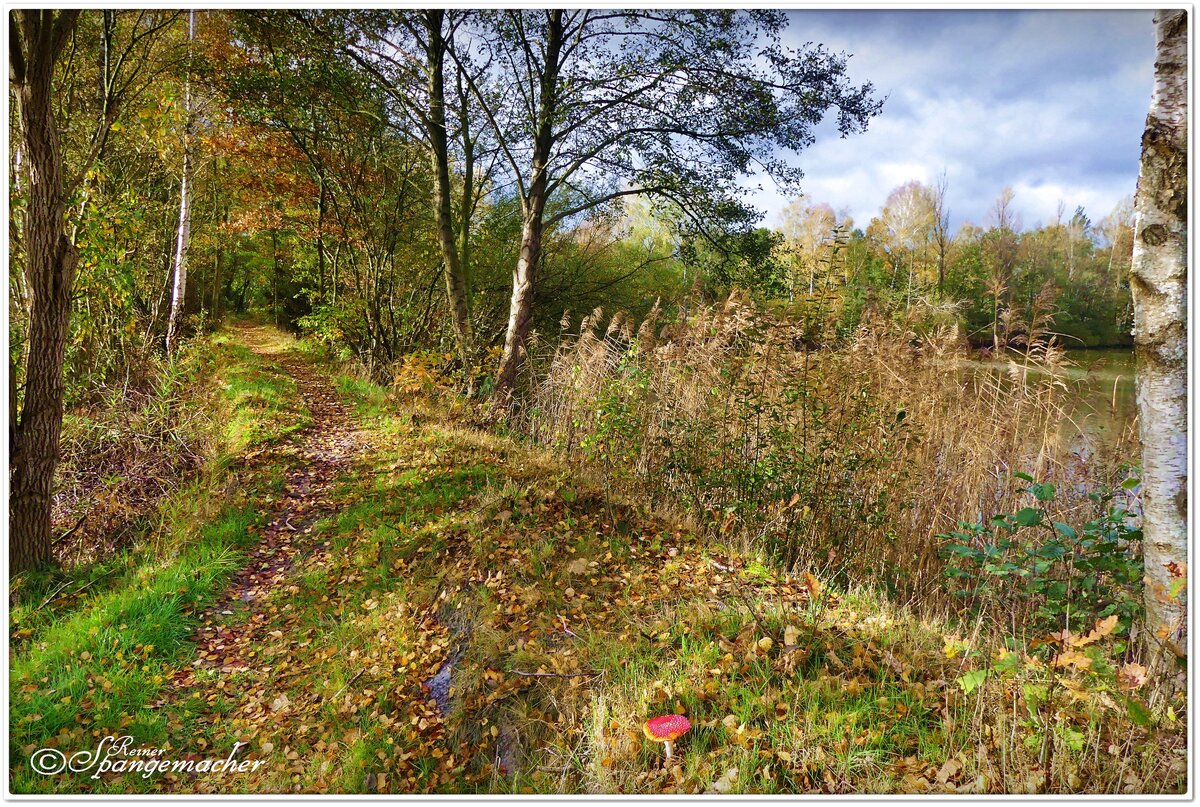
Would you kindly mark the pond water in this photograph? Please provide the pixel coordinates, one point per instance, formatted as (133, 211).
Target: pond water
(1103, 401)
(1101, 404)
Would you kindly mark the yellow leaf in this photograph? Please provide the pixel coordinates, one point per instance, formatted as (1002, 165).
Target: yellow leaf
(1076, 690)
(1103, 628)
(1072, 658)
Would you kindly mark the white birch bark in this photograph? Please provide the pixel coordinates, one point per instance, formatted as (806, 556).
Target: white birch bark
(1159, 284)
(183, 233)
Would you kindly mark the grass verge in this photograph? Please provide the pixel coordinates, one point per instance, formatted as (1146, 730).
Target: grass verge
(90, 646)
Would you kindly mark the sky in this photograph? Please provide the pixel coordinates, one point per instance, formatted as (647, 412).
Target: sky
(1050, 102)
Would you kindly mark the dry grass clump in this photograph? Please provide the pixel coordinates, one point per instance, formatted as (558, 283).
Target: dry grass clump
(849, 461)
(126, 450)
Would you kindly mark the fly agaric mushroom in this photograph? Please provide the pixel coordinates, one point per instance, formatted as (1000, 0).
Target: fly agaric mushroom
(666, 729)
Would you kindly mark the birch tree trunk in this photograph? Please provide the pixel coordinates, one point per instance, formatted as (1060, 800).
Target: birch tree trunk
(179, 284)
(1159, 284)
(520, 309)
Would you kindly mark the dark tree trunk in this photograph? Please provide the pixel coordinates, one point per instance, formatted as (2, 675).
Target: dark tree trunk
(218, 284)
(321, 211)
(467, 206)
(456, 286)
(36, 39)
(275, 275)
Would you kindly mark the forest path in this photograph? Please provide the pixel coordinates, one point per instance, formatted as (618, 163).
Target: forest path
(311, 463)
(317, 658)
(266, 658)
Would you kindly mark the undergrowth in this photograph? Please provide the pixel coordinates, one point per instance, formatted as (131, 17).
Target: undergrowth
(559, 614)
(850, 458)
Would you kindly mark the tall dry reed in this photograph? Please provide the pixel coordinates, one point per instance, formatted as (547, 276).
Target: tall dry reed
(847, 460)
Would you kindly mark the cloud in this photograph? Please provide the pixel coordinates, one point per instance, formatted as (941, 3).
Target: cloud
(1051, 103)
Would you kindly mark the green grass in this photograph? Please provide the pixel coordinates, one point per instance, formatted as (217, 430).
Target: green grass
(370, 400)
(92, 646)
(572, 618)
(262, 401)
(101, 668)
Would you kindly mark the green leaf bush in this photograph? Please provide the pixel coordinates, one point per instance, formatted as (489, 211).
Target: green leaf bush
(1049, 573)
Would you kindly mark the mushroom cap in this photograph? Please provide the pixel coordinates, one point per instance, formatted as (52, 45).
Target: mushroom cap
(666, 728)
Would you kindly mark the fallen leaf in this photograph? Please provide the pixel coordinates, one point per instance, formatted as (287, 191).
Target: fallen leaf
(725, 783)
(948, 770)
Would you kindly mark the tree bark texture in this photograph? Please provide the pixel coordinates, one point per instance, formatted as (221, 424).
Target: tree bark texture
(520, 309)
(456, 285)
(35, 40)
(1159, 285)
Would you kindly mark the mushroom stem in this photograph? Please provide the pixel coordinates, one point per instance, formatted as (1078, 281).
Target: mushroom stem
(668, 745)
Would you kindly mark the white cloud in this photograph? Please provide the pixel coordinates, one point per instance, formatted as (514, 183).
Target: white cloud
(1051, 103)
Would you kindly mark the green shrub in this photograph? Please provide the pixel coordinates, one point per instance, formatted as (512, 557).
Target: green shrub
(1050, 572)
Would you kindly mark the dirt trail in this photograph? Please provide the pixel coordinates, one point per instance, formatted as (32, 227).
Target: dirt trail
(315, 457)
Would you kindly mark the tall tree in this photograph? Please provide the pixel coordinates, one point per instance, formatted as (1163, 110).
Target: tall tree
(408, 54)
(589, 106)
(435, 41)
(1117, 229)
(941, 227)
(59, 190)
(36, 39)
(183, 233)
(808, 234)
(1159, 283)
(908, 219)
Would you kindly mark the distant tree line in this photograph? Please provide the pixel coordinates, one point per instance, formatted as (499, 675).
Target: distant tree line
(1071, 274)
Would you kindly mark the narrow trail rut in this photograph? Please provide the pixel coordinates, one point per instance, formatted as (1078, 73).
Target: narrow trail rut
(268, 662)
(314, 459)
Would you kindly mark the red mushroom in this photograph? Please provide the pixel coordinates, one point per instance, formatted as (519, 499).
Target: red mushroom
(666, 729)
